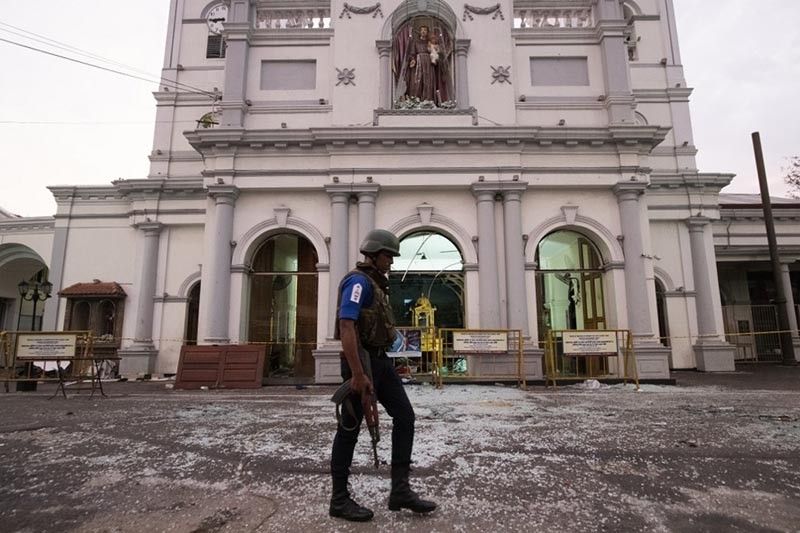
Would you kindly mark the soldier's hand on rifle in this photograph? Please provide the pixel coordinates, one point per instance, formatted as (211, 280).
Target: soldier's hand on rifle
(360, 384)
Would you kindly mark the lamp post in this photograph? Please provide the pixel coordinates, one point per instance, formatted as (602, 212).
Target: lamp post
(35, 292)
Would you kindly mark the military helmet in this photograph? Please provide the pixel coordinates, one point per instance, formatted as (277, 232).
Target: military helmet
(380, 240)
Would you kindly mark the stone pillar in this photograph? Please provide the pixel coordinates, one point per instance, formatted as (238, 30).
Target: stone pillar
(462, 84)
(139, 358)
(790, 308)
(711, 353)
(366, 193)
(651, 357)
(385, 79)
(516, 294)
(619, 98)
(56, 274)
(340, 231)
(489, 292)
(143, 332)
(237, 35)
(633, 247)
(216, 274)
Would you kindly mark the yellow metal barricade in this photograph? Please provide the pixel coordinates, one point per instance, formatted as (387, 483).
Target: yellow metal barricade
(578, 355)
(480, 355)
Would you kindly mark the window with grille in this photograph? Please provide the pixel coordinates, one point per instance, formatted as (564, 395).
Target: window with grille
(215, 49)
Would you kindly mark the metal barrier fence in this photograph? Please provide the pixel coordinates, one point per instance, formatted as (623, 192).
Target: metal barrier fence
(579, 355)
(33, 356)
(754, 331)
(479, 355)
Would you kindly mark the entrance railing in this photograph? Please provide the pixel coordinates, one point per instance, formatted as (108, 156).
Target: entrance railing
(480, 355)
(754, 331)
(579, 355)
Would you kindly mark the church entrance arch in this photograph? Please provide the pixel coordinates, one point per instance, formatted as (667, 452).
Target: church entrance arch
(569, 287)
(569, 283)
(283, 306)
(431, 266)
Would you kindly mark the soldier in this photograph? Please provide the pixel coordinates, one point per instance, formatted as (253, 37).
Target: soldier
(364, 317)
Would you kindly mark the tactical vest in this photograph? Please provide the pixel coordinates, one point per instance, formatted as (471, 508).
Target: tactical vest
(375, 323)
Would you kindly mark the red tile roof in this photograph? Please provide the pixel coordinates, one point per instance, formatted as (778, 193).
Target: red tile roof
(95, 288)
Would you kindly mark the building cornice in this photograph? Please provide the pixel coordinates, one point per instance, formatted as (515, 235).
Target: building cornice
(27, 224)
(757, 213)
(709, 182)
(642, 138)
(290, 37)
(656, 96)
(154, 186)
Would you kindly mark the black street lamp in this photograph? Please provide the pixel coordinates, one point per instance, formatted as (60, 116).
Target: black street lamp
(35, 292)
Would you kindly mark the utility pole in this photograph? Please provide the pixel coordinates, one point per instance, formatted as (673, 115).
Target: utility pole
(787, 349)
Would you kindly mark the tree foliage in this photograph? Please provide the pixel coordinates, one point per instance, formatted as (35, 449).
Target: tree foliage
(792, 176)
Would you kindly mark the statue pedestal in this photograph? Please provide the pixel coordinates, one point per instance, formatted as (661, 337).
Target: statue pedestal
(425, 118)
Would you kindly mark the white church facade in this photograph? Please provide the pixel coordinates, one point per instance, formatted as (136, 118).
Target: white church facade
(535, 158)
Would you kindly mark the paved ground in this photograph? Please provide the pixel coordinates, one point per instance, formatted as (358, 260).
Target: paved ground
(713, 453)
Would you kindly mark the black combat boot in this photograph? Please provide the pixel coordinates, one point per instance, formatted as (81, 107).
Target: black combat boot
(402, 497)
(343, 506)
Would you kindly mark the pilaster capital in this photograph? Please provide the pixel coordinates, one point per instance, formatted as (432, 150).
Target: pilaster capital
(365, 191)
(629, 190)
(697, 224)
(462, 47)
(512, 190)
(485, 191)
(223, 193)
(339, 192)
(384, 48)
(238, 31)
(149, 228)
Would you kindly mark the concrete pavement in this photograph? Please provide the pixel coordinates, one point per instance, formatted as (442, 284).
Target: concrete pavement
(716, 452)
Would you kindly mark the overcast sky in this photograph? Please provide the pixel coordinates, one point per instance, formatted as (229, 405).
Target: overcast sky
(68, 124)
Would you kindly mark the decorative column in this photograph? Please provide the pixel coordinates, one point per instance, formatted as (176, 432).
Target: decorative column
(462, 86)
(619, 98)
(651, 356)
(367, 194)
(237, 34)
(633, 247)
(517, 302)
(143, 333)
(790, 308)
(327, 362)
(216, 274)
(711, 353)
(340, 231)
(489, 292)
(139, 358)
(64, 202)
(385, 79)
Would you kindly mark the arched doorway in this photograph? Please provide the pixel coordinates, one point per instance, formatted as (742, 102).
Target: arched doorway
(569, 283)
(19, 263)
(283, 306)
(661, 309)
(192, 314)
(429, 265)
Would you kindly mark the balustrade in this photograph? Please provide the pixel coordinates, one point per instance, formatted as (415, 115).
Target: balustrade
(526, 18)
(298, 18)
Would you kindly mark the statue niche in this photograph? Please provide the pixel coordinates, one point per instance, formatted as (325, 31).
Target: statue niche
(422, 61)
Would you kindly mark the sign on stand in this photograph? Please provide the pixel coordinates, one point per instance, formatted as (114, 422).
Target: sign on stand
(590, 343)
(480, 341)
(33, 346)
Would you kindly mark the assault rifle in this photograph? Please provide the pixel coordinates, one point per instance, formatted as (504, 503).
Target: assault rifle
(369, 404)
